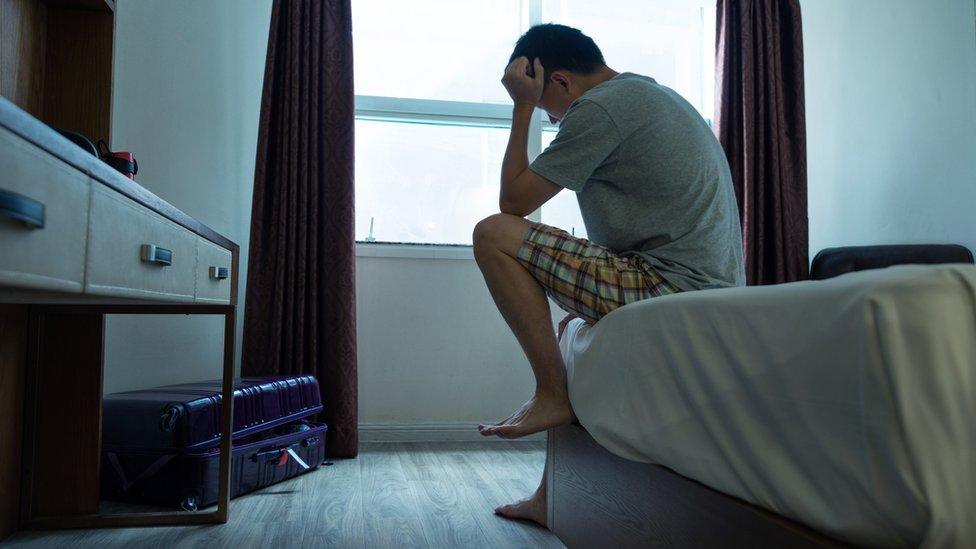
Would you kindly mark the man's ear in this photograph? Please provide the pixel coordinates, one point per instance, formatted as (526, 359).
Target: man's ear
(561, 79)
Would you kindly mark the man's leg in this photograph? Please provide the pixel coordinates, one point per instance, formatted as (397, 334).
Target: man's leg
(522, 302)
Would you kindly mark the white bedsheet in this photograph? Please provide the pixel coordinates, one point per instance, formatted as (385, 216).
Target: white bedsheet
(847, 404)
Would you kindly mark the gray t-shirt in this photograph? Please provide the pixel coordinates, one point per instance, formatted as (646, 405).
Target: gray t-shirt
(651, 180)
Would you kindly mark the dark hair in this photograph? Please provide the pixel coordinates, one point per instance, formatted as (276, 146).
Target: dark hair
(559, 47)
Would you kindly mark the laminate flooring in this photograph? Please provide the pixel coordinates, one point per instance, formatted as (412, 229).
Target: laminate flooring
(432, 494)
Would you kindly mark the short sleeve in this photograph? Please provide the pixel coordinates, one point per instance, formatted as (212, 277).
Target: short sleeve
(587, 136)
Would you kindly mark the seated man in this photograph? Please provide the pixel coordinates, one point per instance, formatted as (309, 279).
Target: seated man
(655, 192)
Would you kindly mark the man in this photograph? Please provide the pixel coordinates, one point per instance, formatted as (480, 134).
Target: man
(655, 192)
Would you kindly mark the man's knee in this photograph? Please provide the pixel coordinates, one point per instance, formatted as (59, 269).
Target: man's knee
(499, 232)
(490, 232)
(482, 232)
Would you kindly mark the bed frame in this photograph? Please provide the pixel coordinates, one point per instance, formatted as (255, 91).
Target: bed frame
(597, 499)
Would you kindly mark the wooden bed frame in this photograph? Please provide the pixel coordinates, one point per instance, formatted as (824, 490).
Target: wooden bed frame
(597, 499)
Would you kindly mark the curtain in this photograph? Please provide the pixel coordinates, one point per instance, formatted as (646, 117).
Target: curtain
(761, 123)
(300, 314)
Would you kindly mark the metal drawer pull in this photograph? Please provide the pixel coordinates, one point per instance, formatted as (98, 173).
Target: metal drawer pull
(219, 273)
(152, 253)
(20, 208)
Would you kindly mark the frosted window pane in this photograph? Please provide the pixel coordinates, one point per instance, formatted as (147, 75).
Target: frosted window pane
(667, 40)
(425, 183)
(434, 49)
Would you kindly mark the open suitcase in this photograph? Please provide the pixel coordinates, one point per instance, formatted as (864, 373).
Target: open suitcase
(161, 445)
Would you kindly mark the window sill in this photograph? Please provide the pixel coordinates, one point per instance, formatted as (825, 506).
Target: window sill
(414, 251)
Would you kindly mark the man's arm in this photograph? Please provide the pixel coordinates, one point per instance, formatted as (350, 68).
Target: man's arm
(522, 190)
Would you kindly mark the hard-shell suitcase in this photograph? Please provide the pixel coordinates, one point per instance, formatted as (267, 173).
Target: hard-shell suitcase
(189, 480)
(161, 445)
(187, 416)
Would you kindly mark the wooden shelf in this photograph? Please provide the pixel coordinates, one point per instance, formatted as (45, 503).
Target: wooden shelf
(57, 62)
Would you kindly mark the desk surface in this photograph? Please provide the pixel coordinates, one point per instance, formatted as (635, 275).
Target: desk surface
(33, 130)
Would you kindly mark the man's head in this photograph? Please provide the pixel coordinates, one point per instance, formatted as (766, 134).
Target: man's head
(570, 60)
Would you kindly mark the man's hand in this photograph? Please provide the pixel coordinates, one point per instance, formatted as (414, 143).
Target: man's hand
(522, 190)
(523, 86)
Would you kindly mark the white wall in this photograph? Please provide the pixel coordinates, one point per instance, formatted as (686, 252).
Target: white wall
(186, 98)
(891, 121)
(432, 346)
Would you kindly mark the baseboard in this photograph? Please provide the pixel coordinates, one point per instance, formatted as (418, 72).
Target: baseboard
(429, 432)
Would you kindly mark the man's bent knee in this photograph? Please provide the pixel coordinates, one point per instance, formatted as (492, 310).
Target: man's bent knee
(481, 236)
(498, 232)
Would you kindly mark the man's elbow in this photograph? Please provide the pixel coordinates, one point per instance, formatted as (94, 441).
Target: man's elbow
(512, 207)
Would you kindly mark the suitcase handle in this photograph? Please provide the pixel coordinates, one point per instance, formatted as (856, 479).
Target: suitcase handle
(279, 453)
(271, 455)
(169, 418)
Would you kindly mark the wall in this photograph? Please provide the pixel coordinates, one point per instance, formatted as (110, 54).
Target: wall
(434, 352)
(186, 98)
(891, 121)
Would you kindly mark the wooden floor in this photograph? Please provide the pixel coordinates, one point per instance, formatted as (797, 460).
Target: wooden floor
(393, 495)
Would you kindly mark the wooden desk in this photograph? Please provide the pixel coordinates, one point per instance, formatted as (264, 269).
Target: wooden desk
(74, 237)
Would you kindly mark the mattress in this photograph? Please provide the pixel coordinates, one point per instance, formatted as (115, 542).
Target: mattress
(848, 404)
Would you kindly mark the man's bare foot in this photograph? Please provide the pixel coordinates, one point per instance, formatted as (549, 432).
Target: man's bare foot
(541, 412)
(531, 508)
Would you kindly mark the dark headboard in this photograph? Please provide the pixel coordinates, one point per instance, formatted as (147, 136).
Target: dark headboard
(832, 262)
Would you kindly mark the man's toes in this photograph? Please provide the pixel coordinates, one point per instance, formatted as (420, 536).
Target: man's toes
(510, 510)
(507, 431)
(527, 509)
(489, 430)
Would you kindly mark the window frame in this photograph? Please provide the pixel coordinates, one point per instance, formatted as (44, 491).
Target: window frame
(451, 113)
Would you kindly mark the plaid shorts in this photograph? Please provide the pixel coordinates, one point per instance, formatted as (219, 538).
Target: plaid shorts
(586, 279)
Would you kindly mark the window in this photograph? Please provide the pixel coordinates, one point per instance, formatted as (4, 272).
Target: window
(432, 119)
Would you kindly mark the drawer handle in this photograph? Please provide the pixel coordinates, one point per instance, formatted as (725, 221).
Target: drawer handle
(152, 253)
(219, 273)
(20, 208)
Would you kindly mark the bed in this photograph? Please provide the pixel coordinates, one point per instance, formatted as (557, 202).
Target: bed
(817, 413)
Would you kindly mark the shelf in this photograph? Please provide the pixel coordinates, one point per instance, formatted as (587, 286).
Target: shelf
(57, 62)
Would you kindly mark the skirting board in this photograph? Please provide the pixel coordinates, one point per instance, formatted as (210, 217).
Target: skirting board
(428, 432)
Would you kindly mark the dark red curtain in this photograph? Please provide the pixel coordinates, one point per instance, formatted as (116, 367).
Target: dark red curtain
(300, 314)
(761, 123)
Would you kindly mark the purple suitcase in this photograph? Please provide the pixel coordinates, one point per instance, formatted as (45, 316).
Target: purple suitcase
(189, 480)
(161, 445)
(187, 416)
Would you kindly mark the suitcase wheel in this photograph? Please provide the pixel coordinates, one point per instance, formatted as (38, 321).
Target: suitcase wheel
(189, 504)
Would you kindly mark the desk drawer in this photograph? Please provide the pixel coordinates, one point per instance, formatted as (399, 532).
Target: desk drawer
(117, 264)
(214, 272)
(38, 189)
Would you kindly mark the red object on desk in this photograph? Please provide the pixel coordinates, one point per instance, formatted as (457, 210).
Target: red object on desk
(126, 163)
(123, 161)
